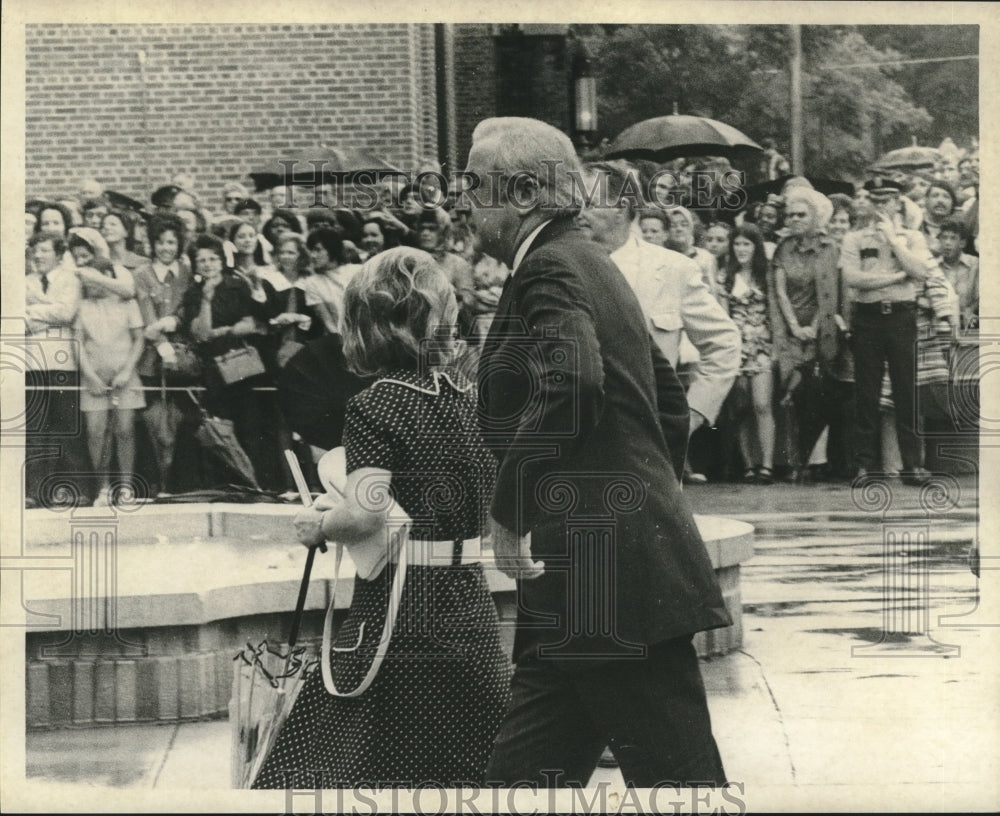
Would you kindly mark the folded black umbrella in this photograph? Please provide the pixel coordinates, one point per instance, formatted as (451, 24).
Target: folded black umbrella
(314, 387)
(217, 437)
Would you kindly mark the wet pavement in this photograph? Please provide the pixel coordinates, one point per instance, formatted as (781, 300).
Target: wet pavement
(867, 679)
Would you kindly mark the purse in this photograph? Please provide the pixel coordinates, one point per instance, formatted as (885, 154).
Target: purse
(187, 368)
(371, 555)
(370, 558)
(239, 364)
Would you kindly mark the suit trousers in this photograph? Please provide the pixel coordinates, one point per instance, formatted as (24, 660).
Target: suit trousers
(652, 711)
(876, 339)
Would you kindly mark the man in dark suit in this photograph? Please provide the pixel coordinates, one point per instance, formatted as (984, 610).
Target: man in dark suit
(589, 424)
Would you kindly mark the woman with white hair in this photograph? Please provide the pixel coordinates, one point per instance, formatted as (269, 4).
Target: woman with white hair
(440, 694)
(232, 194)
(806, 308)
(681, 238)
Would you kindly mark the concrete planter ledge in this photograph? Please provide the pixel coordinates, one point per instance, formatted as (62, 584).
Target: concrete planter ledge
(150, 605)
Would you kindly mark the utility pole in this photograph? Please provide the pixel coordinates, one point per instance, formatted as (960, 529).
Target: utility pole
(796, 89)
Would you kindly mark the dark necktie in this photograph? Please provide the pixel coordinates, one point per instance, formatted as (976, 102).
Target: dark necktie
(45, 283)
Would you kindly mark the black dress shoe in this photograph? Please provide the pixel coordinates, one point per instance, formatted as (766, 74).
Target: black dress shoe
(916, 477)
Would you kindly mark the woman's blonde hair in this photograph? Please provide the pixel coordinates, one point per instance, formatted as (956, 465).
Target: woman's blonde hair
(399, 310)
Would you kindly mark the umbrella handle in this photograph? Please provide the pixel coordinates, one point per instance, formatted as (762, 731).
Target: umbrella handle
(300, 604)
(304, 494)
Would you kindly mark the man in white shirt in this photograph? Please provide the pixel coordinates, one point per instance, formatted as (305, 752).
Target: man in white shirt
(671, 291)
(53, 450)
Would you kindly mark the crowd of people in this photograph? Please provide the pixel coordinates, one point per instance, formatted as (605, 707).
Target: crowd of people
(170, 311)
(857, 315)
(805, 326)
(147, 318)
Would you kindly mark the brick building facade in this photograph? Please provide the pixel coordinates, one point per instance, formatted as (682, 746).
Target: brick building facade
(134, 105)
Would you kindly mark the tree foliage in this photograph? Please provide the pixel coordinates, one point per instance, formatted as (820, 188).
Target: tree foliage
(740, 75)
(948, 90)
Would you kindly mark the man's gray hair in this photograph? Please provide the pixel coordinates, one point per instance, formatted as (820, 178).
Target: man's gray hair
(516, 145)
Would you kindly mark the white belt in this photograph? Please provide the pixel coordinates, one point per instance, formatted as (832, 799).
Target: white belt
(442, 553)
(415, 551)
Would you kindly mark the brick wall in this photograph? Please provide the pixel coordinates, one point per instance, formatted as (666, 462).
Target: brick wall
(533, 77)
(219, 100)
(510, 71)
(475, 83)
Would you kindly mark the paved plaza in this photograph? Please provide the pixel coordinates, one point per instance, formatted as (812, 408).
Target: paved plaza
(824, 707)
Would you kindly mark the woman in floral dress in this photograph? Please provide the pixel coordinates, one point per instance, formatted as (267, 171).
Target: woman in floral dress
(743, 287)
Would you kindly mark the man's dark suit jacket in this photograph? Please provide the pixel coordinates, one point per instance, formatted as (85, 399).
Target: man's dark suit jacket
(589, 424)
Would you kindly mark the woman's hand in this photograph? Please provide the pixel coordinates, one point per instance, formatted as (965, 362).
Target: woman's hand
(288, 318)
(121, 379)
(309, 526)
(489, 298)
(309, 520)
(154, 329)
(96, 386)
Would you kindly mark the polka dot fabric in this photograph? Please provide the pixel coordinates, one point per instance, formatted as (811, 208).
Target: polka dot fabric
(440, 696)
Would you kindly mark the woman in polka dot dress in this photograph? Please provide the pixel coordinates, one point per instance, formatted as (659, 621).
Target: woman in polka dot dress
(439, 697)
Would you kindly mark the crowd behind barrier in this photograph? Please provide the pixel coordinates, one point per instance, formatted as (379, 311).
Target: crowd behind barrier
(148, 322)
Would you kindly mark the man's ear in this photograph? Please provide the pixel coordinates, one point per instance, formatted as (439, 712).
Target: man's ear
(525, 192)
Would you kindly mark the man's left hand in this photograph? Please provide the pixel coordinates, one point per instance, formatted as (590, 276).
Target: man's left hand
(695, 421)
(512, 554)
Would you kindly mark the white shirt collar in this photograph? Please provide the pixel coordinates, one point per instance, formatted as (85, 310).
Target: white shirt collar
(161, 270)
(526, 245)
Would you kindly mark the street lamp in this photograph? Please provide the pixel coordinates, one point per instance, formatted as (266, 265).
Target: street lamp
(584, 97)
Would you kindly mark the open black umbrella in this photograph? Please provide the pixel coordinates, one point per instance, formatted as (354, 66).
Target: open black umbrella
(760, 192)
(908, 158)
(120, 201)
(322, 166)
(670, 137)
(314, 387)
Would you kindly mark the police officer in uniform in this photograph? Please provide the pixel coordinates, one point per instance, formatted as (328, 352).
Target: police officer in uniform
(887, 267)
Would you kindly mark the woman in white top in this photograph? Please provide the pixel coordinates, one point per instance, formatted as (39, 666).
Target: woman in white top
(243, 240)
(330, 276)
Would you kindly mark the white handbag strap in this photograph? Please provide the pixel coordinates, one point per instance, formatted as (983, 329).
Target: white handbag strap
(392, 613)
